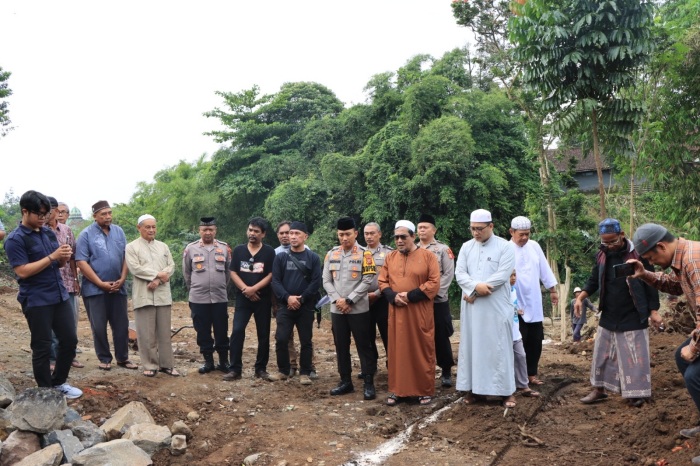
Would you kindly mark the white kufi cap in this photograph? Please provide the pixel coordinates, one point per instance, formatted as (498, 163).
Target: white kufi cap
(520, 223)
(480, 216)
(406, 224)
(145, 217)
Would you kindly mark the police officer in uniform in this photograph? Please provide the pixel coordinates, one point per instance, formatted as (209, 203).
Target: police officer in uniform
(378, 305)
(348, 272)
(441, 307)
(205, 267)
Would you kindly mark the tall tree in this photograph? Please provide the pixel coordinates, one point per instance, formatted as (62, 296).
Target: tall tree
(579, 55)
(5, 92)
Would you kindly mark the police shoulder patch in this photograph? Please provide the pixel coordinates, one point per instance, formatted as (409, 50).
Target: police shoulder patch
(450, 253)
(368, 265)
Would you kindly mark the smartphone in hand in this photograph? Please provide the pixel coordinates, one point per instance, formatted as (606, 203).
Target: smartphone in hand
(623, 270)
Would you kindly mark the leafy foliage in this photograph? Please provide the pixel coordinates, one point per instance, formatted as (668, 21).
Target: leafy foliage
(5, 91)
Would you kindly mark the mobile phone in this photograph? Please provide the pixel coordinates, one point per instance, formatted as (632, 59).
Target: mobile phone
(623, 270)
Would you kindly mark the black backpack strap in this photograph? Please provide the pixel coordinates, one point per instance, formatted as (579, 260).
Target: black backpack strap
(302, 268)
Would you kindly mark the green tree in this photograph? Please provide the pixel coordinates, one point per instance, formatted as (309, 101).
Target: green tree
(579, 55)
(5, 92)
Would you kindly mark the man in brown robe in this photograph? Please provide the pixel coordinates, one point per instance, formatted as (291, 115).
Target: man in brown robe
(410, 280)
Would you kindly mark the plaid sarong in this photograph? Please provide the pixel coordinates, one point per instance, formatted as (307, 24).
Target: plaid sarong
(621, 362)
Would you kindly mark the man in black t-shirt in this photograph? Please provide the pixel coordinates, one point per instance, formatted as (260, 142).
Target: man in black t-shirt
(296, 279)
(251, 273)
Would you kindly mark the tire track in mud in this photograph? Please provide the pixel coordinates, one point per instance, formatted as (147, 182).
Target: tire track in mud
(544, 400)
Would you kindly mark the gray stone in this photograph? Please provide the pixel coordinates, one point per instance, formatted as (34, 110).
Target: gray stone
(178, 445)
(180, 428)
(38, 410)
(5, 424)
(88, 433)
(120, 452)
(71, 416)
(49, 456)
(149, 437)
(128, 415)
(19, 445)
(251, 459)
(7, 392)
(69, 443)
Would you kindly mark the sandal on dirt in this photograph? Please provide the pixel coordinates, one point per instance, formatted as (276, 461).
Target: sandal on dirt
(425, 400)
(536, 381)
(472, 398)
(77, 364)
(594, 397)
(149, 373)
(105, 366)
(508, 402)
(529, 393)
(392, 400)
(127, 365)
(170, 371)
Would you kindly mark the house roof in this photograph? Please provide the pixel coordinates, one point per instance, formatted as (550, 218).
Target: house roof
(584, 162)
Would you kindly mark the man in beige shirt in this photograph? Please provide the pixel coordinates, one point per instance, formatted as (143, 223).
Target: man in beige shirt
(151, 265)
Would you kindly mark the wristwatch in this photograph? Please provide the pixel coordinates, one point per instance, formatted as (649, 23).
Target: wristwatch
(349, 301)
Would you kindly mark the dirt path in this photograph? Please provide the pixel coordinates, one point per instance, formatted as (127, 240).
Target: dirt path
(286, 421)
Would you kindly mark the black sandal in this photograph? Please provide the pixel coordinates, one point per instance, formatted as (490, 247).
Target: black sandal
(392, 400)
(170, 371)
(425, 400)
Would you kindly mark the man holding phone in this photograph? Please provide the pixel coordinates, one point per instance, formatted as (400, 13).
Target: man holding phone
(621, 352)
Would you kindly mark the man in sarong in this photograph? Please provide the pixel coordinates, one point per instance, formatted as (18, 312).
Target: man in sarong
(410, 280)
(532, 268)
(485, 363)
(621, 352)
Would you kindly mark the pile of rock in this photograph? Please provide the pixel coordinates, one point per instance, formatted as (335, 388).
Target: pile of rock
(39, 429)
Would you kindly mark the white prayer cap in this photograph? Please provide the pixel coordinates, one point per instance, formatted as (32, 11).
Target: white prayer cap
(145, 217)
(480, 216)
(577, 290)
(405, 223)
(520, 223)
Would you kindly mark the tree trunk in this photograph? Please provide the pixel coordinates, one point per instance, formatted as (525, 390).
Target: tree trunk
(630, 232)
(598, 163)
(551, 217)
(564, 301)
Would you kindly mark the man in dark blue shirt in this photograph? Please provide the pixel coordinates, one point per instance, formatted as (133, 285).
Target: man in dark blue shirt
(36, 258)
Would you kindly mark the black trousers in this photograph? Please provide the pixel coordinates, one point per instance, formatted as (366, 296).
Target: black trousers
(260, 310)
(443, 332)
(357, 325)
(533, 334)
(303, 320)
(379, 318)
(109, 308)
(204, 317)
(42, 320)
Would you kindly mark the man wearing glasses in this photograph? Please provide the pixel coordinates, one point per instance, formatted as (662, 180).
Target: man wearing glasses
(485, 361)
(410, 280)
(621, 352)
(36, 258)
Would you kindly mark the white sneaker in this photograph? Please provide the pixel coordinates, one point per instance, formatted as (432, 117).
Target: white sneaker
(69, 391)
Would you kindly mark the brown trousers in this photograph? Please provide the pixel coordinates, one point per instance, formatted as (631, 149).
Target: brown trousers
(153, 334)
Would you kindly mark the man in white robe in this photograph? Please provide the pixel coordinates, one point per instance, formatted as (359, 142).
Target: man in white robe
(532, 267)
(484, 265)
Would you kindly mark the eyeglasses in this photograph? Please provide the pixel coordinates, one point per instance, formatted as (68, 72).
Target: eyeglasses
(61, 212)
(41, 215)
(401, 237)
(612, 243)
(478, 229)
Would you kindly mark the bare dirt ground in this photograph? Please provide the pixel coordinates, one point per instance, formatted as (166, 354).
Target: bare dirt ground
(298, 425)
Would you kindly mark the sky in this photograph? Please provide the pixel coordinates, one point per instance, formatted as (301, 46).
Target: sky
(106, 94)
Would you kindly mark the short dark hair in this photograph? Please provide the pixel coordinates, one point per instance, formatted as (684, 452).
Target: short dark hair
(258, 222)
(33, 201)
(667, 238)
(281, 224)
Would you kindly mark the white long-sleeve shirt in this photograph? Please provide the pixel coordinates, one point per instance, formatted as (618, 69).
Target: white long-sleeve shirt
(532, 267)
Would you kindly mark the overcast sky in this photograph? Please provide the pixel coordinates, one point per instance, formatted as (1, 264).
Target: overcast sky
(105, 94)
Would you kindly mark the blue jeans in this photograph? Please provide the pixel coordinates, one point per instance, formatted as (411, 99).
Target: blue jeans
(576, 330)
(691, 374)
